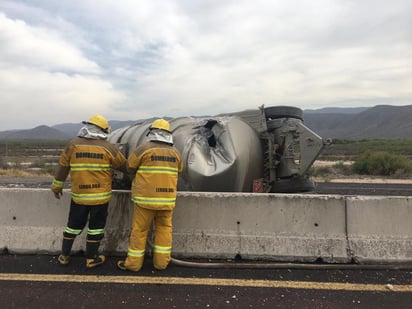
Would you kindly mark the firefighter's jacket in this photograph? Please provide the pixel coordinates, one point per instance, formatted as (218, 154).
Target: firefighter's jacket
(90, 163)
(156, 166)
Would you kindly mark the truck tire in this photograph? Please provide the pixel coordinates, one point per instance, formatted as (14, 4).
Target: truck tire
(276, 112)
(274, 124)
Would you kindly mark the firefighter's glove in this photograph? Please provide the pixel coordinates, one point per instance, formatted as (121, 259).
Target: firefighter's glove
(57, 188)
(58, 193)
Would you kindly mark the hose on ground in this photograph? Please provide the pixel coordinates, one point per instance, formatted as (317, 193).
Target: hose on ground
(275, 265)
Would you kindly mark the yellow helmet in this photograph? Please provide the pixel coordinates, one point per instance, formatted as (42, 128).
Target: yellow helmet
(99, 121)
(161, 124)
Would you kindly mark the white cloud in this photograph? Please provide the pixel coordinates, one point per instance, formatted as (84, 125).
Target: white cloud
(46, 80)
(51, 98)
(27, 46)
(150, 58)
(240, 56)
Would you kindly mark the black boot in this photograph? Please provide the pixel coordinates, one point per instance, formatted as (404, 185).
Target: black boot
(64, 257)
(93, 258)
(67, 246)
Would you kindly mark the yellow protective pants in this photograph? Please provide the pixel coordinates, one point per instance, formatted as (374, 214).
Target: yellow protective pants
(142, 221)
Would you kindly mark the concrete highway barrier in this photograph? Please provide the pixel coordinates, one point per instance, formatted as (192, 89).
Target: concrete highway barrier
(270, 227)
(380, 228)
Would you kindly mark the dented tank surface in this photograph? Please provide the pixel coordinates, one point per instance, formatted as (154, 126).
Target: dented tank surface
(262, 150)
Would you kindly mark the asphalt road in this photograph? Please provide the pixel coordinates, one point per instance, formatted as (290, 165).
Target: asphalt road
(39, 282)
(391, 189)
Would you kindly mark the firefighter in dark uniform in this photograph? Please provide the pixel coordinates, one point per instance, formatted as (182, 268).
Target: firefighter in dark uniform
(155, 166)
(89, 159)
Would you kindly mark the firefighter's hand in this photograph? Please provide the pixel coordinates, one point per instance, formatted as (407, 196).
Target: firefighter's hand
(58, 194)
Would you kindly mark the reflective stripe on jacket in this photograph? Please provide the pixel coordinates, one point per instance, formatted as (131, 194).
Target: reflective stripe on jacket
(156, 166)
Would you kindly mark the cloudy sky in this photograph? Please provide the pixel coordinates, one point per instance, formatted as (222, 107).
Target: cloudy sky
(62, 61)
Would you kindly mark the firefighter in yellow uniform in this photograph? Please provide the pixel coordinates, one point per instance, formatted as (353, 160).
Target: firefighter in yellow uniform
(89, 159)
(155, 166)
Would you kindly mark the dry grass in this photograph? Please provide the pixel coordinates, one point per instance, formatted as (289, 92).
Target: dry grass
(15, 172)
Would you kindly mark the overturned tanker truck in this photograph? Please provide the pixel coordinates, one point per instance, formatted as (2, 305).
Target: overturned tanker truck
(268, 149)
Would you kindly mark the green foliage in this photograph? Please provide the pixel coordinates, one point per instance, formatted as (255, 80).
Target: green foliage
(320, 171)
(49, 169)
(351, 149)
(33, 157)
(38, 163)
(334, 170)
(30, 147)
(382, 163)
(16, 165)
(342, 168)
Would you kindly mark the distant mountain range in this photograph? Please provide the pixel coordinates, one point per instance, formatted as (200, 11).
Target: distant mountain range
(378, 122)
(62, 131)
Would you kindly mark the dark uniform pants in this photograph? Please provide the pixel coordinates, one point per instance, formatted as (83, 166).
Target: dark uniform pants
(79, 214)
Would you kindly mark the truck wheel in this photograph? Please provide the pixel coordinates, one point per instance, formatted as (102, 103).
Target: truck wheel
(276, 112)
(274, 124)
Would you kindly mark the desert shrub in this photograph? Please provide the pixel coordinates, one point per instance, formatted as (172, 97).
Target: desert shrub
(383, 164)
(38, 163)
(49, 169)
(341, 168)
(320, 171)
(16, 165)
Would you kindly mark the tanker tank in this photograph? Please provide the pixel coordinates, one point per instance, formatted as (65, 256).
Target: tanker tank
(267, 149)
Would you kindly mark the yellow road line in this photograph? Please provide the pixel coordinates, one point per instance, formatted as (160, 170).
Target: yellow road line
(207, 281)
